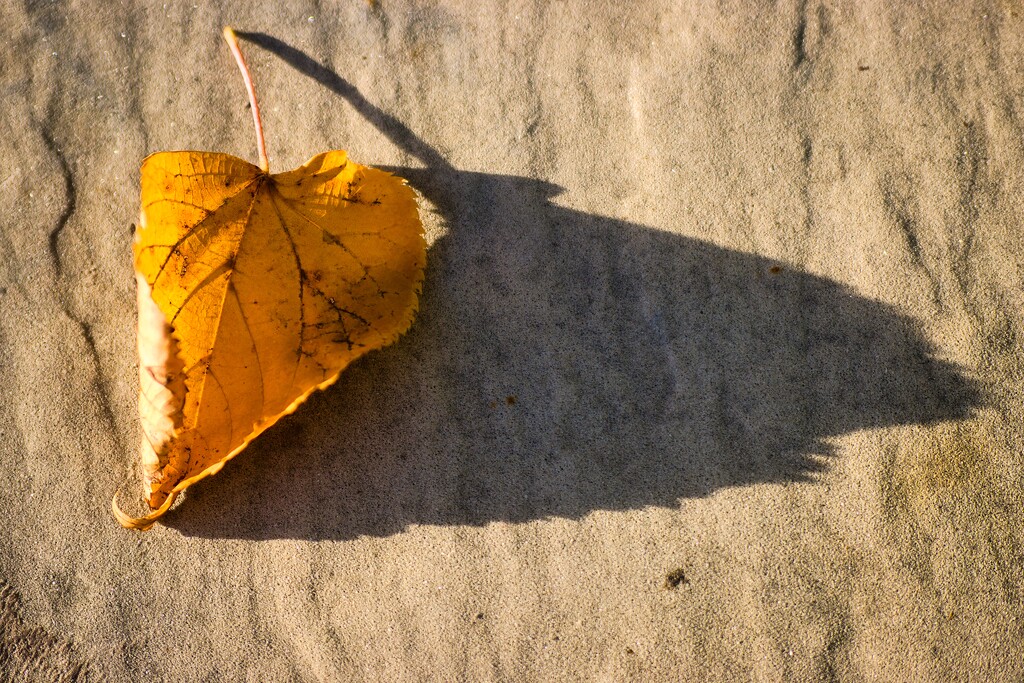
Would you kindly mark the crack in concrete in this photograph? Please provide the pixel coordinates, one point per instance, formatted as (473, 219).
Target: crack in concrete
(901, 210)
(71, 200)
(99, 382)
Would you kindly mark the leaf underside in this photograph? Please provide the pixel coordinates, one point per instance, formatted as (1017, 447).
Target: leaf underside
(254, 291)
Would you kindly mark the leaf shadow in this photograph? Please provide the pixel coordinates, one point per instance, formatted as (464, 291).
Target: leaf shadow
(565, 363)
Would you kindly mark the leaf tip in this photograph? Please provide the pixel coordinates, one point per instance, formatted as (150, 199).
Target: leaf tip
(144, 523)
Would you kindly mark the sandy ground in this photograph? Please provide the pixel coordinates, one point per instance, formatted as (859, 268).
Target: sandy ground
(717, 374)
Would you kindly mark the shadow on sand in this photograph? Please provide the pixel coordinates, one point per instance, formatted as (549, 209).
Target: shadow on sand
(564, 363)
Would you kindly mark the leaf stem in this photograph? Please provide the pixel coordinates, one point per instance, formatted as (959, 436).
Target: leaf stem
(232, 40)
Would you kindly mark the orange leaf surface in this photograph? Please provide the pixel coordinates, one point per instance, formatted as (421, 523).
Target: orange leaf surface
(255, 290)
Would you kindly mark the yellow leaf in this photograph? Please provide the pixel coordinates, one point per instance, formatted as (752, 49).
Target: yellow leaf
(254, 291)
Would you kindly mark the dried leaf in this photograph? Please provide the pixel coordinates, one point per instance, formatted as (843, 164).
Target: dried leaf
(254, 291)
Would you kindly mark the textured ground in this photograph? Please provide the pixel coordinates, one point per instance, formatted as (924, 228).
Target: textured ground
(717, 374)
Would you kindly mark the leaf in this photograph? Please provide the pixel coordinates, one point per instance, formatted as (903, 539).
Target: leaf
(255, 290)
